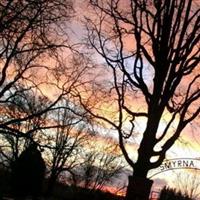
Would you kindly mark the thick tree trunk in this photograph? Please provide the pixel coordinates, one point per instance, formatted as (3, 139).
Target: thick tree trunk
(139, 185)
(138, 188)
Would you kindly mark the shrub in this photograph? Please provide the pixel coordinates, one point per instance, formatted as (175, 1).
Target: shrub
(172, 194)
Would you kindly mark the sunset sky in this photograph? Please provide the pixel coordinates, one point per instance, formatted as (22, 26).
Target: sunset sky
(107, 79)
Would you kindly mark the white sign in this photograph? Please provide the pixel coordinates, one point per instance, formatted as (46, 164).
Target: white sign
(178, 163)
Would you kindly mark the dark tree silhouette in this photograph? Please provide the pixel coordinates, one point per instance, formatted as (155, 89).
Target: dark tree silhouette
(32, 33)
(152, 50)
(64, 146)
(28, 173)
(100, 166)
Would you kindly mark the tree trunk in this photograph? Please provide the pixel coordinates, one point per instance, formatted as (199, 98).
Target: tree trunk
(51, 184)
(138, 188)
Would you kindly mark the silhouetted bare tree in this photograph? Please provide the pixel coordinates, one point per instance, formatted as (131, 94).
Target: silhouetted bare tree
(64, 143)
(31, 33)
(100, 166)
(152, 51)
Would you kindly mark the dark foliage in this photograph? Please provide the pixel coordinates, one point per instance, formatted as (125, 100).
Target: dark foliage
(172, 194)
(61, 191)
(28, 173)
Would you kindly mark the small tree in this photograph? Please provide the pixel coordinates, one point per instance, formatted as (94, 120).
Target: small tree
(63, 145)
(152, 51)
(100, 166)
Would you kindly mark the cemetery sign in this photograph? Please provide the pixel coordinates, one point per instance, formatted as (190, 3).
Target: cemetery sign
(177, 163)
